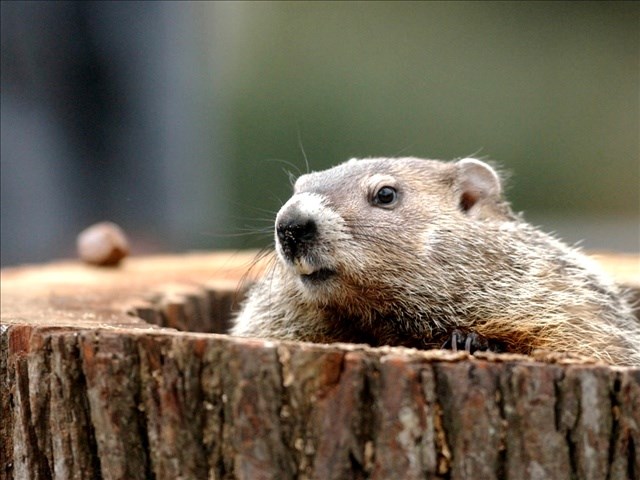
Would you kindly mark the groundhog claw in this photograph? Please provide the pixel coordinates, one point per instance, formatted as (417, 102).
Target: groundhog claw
(467, 341)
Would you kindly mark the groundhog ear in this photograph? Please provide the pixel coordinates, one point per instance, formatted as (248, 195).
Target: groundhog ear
(476, 181)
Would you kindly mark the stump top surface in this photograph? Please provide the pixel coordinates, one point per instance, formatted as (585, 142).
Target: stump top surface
(73, 294)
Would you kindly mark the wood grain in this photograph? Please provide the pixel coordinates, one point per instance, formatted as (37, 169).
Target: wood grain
(114, 373)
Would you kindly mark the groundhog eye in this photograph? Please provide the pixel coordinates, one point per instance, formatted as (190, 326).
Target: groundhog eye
(385, 196)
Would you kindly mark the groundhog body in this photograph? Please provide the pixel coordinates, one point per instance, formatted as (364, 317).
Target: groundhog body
(405, 251)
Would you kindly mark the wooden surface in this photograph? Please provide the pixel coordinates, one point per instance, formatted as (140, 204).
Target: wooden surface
(99, 382)
(72, 294)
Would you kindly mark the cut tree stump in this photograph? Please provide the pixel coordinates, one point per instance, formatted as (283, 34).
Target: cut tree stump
(107, 373)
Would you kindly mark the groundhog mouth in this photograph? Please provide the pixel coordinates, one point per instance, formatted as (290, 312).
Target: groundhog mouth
(318, 276)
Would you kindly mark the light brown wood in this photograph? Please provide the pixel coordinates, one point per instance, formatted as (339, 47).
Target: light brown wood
(103, 376)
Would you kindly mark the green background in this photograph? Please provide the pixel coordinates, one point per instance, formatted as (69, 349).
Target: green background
(549, 90)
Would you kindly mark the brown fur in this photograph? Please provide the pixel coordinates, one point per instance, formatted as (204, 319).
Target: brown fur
(448, 254)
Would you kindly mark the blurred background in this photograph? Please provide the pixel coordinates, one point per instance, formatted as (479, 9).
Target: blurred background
(178, 120)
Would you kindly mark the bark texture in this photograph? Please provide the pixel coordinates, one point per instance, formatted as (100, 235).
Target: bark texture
(91, 391)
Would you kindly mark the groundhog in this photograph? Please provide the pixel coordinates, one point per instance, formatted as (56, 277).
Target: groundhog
(426, 254)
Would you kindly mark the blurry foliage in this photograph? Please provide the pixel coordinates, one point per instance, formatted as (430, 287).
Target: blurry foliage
(178, 119)
(549, 90)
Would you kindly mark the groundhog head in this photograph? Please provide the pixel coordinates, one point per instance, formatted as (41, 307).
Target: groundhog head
(360, 228)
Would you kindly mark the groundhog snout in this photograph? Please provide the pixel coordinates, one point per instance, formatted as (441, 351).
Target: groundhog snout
(295, 233)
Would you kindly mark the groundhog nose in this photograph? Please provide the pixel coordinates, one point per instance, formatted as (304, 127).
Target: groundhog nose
(295, 232)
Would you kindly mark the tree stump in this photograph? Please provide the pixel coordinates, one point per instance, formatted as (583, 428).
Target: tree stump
(123, 373)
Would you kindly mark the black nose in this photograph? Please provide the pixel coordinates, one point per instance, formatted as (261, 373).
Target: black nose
(295, 235)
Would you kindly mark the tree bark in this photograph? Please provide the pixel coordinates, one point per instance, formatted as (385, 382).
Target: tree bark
(109, 373)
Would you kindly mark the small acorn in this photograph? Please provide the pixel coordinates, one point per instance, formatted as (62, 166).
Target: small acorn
(102, 244)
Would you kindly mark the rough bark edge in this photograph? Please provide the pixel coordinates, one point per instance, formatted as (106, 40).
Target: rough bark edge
(207, 308)
(129, 405)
